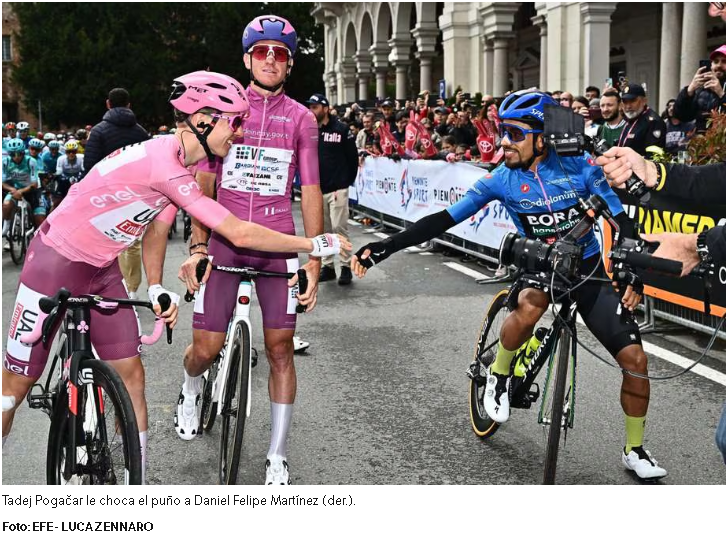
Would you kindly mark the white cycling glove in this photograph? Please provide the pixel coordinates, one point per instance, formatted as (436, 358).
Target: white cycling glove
(325, 245)
(156, 290)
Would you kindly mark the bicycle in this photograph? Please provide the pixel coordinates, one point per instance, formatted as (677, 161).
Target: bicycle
(228, 384)
(558, 344)
(93, 437)
(21, 231)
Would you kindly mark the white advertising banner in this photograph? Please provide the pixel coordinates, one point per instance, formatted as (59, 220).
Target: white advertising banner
(412, 189)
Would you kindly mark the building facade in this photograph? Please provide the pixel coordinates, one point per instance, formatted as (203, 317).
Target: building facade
(13, 109)
(493, 47)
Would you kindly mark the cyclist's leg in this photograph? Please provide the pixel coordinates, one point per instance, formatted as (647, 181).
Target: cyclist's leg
(278, 303)
(518, 326)
(213, 309)
(39, 211)
(8, 210)
(617, 330)
(44, 273)
(116, 337)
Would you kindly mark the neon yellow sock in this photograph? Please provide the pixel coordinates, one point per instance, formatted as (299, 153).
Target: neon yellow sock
(502, 361)
(634, 432)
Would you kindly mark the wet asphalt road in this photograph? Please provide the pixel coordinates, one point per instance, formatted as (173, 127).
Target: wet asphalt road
(382, 396)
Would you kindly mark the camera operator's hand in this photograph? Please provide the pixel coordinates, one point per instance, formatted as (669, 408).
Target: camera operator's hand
(714, 85)
(677, 247)
(619, 164)
(698, 81)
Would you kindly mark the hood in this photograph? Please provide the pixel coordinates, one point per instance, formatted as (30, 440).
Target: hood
(121, 116)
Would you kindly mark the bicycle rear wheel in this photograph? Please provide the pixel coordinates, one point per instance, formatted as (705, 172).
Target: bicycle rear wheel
(485, 353)
(107, 437)
(209, 408)
(234, 406)
(16, 238)
(554, 422)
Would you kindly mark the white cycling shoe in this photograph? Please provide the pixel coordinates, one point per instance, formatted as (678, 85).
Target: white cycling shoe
(497, 396)
(277, 472)
(642, 463)
(186, 419)
(299, 346)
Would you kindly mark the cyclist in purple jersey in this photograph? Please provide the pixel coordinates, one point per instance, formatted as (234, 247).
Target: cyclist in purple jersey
(135, 189)
(254, 182)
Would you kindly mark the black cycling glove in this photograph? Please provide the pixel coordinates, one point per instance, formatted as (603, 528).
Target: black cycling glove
(630, 279)
(379, 252)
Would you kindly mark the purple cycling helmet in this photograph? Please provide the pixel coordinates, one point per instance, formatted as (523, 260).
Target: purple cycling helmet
(269, 27)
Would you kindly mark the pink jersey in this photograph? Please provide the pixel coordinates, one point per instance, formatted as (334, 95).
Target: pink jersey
(255, 180)
(113, 205)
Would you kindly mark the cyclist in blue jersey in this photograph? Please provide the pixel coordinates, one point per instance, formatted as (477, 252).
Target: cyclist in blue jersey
(541, 191)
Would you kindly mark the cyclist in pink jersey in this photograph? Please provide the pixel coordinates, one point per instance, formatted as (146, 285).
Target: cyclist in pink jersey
(254, 181)
(136, 188)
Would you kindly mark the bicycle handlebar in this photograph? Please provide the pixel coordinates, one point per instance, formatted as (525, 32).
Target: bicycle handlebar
(51, 306)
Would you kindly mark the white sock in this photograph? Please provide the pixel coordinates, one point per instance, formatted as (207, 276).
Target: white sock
(280, 417)
(142, 442)
(192, 385)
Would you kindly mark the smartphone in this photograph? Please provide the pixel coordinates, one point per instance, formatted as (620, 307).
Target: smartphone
(707, 64)
(609, 82)
(466, 96)
(432, 101)
(594, 113)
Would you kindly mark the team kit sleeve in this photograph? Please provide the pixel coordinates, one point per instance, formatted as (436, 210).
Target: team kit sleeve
(184, 192)
(307, 150)
(596, 184)
(480, 194)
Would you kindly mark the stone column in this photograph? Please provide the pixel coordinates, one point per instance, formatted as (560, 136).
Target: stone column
(694, 40)
(425, 36)
(500, 77)
(488, 58)
(671, 37)
(363, 67)
(331, 86)
(380, 56)
(541, 22)
(399, 56)
(347, 72)
(596, 20)
(455, 25)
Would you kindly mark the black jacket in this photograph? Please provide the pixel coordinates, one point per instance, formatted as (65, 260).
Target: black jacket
(337, 156)
(647, 129)
(697, 107)
(703, 185)
(117, 129)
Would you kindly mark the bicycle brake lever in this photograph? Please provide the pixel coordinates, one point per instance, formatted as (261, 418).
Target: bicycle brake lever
(165, 302)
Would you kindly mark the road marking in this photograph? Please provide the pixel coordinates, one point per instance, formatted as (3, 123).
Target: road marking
(353, 222)
(426, 253)
(465, 270)
(413, 250)
(381, 235)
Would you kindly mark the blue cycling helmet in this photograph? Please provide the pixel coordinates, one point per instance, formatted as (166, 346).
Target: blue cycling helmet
(526, 105)
(15, 144)
(54, 144)
(269, 27)
(36, 143)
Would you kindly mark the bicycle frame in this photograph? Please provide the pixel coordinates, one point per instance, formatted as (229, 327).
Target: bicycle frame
(241, 315)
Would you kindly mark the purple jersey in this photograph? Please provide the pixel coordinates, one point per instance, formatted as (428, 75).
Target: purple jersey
(255, 180)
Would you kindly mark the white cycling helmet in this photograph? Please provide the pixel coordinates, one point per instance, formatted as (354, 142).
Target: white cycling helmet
(23, 126)
(49, 136)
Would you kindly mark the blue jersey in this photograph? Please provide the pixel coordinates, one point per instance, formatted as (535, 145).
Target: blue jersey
(544, 206)
(20, 175)
(50, 162)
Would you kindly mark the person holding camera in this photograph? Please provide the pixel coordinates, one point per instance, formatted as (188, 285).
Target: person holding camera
(706, 92)
(541, 192)
(643, 127)
(700, 184)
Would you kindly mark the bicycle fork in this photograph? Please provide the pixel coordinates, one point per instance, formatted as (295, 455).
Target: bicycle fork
(241, 315)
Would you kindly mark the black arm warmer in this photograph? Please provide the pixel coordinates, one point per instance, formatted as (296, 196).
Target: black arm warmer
(423, 230)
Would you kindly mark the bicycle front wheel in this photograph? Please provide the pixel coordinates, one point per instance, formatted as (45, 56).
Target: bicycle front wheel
(107, 437)
(555, 423)
(16, 238)
(209, 408)
(234, 406)
(485, 353)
